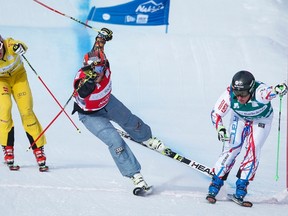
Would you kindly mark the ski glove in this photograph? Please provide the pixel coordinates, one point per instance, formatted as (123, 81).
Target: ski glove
(90, 74)
(106, 34)
(281, 89)
(19, 49)
(222, 134)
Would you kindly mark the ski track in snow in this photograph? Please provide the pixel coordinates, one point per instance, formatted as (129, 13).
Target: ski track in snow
(194, 195)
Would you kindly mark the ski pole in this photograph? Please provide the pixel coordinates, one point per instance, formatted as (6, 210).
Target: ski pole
(278, 143)
(62, 109)
(53, 120)
(223, 146)
(56, 11)
(226, 139)
(51, 93)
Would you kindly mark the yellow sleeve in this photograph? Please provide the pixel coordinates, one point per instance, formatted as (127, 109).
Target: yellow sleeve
(11, 43)
(12, 61)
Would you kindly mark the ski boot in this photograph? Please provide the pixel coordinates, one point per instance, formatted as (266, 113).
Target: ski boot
(141, 186)
(9, 157)
(41, 159)
(155, 144)
(214, 189)
(241, 189)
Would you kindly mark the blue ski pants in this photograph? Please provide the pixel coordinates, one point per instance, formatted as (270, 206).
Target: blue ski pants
(99, 124)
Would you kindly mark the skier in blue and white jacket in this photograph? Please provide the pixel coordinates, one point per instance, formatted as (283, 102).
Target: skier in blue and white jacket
(249, 127)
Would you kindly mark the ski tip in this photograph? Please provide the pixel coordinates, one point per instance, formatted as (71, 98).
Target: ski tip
(43, 168)
(144, 191)
(211, 199)
(14, 167)
(247, 204)
(136, 191)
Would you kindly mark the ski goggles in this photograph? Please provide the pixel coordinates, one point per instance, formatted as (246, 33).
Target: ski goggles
(100, 39)
(244, 93)
(98, 69)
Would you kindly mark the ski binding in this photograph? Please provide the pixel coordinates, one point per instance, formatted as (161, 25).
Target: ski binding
(239, 201)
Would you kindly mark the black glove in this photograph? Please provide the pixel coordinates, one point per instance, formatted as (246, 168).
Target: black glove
(281, 89)
(19, 49)
(222, 134)
(91, 75)
(106, 34)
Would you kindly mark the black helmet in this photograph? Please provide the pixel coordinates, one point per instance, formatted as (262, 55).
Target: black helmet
(243, 83)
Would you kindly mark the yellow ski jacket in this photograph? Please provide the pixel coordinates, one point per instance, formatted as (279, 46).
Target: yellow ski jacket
(11, 62)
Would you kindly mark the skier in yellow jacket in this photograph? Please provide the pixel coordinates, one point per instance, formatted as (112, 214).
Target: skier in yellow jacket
(14, 82)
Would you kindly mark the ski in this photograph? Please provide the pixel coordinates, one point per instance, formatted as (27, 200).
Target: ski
(143, 191)
(239, 201)
(211, 199)
(174, 155)
(43, 168)
(13, 167)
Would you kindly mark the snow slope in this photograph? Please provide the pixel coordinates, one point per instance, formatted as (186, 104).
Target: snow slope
(171, 81)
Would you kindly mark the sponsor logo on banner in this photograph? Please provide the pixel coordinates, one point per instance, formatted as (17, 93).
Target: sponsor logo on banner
(147, 12)
(149, 7)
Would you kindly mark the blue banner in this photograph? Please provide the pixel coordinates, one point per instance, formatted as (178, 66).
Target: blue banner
(138, 12)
